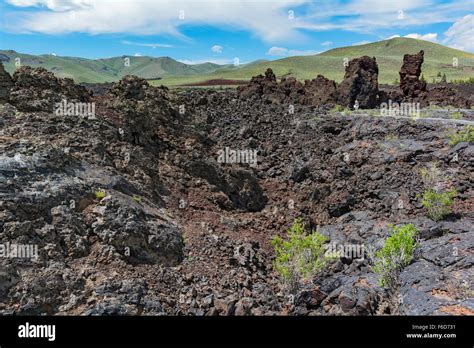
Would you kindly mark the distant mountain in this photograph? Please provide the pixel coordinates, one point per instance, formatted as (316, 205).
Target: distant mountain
(389, 54)
(106, 70)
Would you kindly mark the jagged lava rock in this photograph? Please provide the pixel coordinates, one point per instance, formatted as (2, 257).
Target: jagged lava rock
(360, 83)
(319, 91)
(410, 82)
(37, 89)
(141, 109)
(259, 85)
(6, 83)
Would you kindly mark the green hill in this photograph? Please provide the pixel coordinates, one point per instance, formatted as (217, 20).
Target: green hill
(389, 55)
(167, 71)
(106, 70)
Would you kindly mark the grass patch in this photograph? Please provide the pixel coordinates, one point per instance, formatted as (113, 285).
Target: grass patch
(438, 204)
(300, 256)
(396, 253)
(436, 199)
(464, 135)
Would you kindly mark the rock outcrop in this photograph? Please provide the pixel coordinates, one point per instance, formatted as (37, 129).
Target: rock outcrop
(140, 110)
(410, 72)
(37, 89)
(360, 84)
(287, 91)
(358, 90)
(415, 90)
(259, 85)
(319, 91)
(6, 84)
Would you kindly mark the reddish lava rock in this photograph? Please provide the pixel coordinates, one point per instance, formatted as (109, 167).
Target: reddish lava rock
(360, 83)
(5, 84)
(410, 82)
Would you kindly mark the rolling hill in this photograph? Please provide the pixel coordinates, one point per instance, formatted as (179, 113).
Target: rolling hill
(167, 71)
(389, 54)
(107, 70)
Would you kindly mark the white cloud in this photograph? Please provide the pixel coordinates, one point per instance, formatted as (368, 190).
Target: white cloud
(138, 54)
(326, 43)
(369, 16)
(217, 49)
(285, 52)
(265, 19)
(55, 5)
(460, 35)
(277, 51)
(427, 37)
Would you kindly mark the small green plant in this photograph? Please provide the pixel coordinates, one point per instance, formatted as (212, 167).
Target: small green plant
(464, 135)
(432, 175)
(438, 204)
(396, 253)
(299, 257)
(99, 194)
(436, 198)
(137, 199)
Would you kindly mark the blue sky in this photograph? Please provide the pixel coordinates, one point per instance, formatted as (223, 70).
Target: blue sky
(221, 30)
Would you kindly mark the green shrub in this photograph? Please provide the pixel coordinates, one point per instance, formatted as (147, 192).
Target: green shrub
(396, 253)
(438, 204)
(464, 135)
(299, 257)
(137, 199)
(99, 194)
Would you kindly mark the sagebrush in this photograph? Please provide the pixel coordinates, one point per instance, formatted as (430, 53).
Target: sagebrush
(300, 256)
(396, 253)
